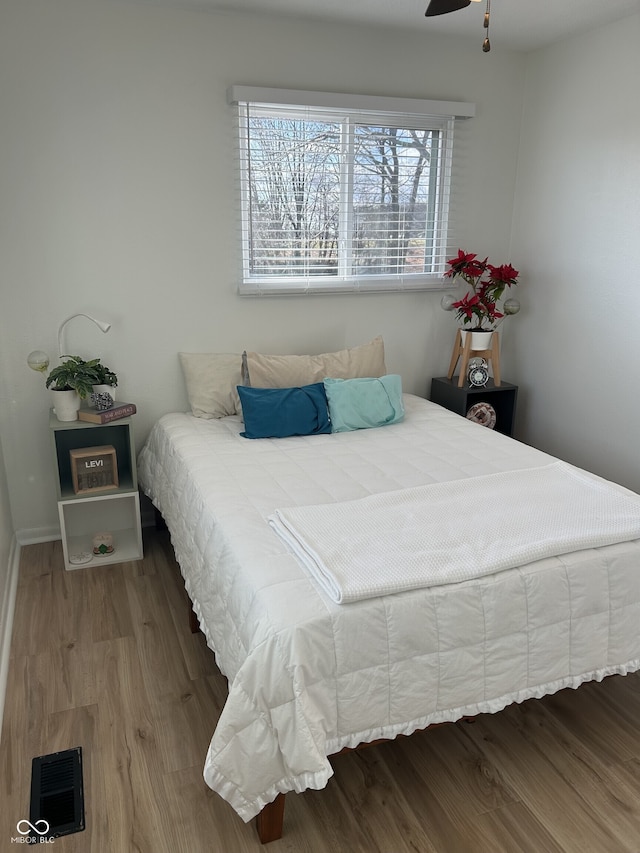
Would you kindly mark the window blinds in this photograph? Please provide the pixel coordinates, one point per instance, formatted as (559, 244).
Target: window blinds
(344, 192)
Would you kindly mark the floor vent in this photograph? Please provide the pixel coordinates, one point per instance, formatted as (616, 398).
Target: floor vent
(57, 793)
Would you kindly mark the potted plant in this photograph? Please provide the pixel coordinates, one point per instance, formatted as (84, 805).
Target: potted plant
(478, 308)
(107, 381)
(70, 382)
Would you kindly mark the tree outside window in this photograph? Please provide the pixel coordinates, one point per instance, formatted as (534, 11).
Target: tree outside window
(336, 201)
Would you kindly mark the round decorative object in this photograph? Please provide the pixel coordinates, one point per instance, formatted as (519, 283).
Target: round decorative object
(447, 301)
(483, 414)
(80, 558)
(38, 360)
(478, 373)
(511, 306)
(102, 401)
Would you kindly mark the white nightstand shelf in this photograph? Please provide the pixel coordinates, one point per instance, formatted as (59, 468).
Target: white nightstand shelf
(115, 510)
(80, 520)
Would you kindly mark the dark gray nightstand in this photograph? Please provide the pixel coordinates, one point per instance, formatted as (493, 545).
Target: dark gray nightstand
(503, 399)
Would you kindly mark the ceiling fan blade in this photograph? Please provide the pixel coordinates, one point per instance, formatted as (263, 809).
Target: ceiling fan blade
(441, 7)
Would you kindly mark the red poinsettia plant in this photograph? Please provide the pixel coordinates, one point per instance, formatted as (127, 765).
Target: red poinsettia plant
(479, 307)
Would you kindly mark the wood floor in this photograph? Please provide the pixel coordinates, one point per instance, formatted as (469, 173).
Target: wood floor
(103, 658)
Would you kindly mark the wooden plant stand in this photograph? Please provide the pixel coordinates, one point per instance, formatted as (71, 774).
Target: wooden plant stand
(490, 355)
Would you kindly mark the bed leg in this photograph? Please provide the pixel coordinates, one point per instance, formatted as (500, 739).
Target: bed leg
(194, 625)
(269, 821)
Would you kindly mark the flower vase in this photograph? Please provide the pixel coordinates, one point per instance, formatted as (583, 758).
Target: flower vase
(480, 340)
(65, 404)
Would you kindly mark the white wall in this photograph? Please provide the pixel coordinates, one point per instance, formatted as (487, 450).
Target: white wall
(118, 199)
(577, 235)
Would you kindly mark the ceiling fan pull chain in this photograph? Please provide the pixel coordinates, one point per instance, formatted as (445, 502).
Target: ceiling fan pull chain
(486, 44)
(442, 7)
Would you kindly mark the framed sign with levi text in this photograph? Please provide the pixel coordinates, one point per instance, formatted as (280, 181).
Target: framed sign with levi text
(94, 469)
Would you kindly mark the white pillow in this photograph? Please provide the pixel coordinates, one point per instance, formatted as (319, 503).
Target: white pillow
(212, 379)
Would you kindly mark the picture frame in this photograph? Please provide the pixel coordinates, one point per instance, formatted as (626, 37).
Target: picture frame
(94, 469)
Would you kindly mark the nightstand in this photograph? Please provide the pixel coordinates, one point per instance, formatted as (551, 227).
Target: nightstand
(100, 505)
(503, 398)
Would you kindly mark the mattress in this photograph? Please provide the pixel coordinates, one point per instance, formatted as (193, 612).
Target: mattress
(308, 676)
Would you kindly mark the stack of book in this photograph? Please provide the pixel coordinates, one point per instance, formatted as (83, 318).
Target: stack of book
(105, 416)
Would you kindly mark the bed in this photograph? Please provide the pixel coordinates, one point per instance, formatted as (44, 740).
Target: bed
(310, 675)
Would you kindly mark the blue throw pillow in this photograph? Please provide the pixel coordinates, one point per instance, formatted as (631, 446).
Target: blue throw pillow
(364, 403)
(281, 412)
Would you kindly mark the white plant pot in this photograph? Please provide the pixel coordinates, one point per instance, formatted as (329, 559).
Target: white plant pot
(479, 340)
(105, 389)
(66, 405)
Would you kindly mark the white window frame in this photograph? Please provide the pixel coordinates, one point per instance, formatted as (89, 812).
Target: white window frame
(405, 113)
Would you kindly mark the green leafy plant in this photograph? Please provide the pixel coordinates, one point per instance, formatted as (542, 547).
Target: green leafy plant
(75, 374)
(107, 376)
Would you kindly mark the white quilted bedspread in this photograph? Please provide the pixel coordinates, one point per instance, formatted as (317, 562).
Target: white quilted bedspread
(308, 676)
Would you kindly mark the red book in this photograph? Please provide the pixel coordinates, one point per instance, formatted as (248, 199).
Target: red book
(95, 416)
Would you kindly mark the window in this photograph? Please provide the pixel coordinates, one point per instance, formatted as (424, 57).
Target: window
(338, 197)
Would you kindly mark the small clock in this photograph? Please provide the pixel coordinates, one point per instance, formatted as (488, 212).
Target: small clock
(478, 373)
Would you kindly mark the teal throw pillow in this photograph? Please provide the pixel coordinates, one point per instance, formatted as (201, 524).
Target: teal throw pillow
(364, 403)
(283, 412)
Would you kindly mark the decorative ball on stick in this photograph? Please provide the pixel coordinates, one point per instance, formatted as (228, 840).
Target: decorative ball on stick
(38, 360)
(447, 301)
(511, 306)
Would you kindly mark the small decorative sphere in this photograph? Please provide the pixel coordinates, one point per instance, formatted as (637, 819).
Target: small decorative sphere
(511, 306)
(102, 401)
(447, 301)
(38, 360)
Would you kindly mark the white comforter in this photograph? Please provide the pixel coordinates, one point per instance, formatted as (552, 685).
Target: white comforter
(308, 676)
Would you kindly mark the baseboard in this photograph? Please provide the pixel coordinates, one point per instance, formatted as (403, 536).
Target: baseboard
(34, 535)
(7, 607)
